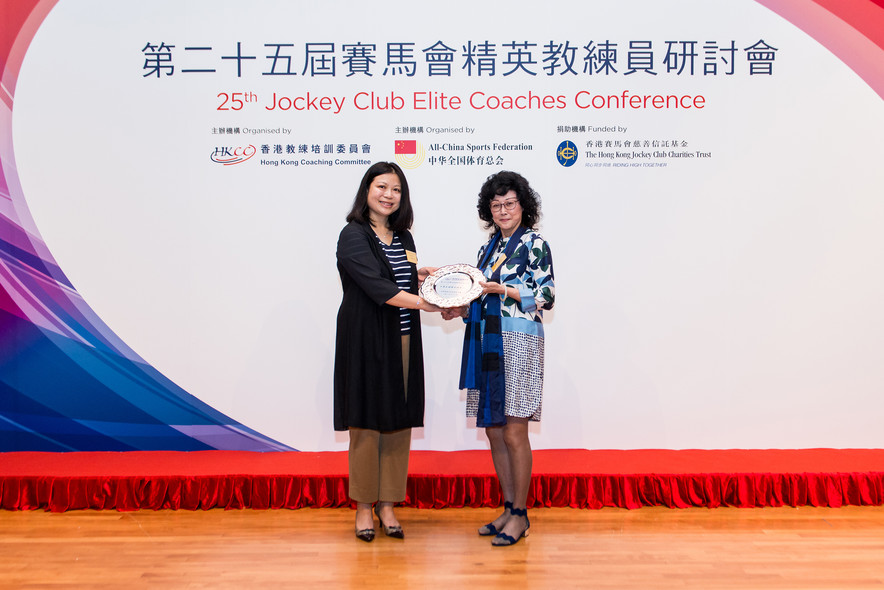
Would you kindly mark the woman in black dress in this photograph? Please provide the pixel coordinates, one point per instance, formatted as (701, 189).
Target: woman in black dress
(379, 371)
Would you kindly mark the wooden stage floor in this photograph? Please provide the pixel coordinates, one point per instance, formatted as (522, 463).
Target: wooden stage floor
(648, 548)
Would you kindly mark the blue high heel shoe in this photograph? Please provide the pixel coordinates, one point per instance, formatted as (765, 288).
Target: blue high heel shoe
(489, 530)
(504, 540)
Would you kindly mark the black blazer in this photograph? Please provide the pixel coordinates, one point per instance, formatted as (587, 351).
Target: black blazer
(369, 391)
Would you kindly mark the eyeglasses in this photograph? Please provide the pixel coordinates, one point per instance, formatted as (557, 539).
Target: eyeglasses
(508, 205)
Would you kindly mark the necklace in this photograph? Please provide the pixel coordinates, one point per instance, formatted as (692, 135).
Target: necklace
(383, 236)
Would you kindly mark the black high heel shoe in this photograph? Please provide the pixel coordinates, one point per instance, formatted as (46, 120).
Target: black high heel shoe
(366, 535)
(391, 531)
(504, 540)
(489, 530)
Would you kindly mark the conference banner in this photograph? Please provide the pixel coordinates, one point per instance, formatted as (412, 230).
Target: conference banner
(174, 176)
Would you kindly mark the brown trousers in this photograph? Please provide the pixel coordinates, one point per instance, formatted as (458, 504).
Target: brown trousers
(378, 465)
(379, 460)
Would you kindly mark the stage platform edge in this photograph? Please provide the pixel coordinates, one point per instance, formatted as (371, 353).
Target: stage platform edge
(577, 478)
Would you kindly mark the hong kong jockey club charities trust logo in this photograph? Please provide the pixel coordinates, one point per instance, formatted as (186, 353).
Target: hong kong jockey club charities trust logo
(409, 153)
(229, 156)
(566, 153)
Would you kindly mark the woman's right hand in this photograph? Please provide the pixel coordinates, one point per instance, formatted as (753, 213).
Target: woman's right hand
(455, 312)
(427, 306)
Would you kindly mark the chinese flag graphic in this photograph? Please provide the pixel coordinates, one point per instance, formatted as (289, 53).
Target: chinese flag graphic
(406, 146)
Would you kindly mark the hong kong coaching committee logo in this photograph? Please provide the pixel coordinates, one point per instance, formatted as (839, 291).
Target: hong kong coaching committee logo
(566, 153)
(232, 155)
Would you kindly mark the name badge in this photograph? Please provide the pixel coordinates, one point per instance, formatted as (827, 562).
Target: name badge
(411, 256)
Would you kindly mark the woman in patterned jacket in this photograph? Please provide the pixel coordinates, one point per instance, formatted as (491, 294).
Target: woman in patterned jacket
(502, 365)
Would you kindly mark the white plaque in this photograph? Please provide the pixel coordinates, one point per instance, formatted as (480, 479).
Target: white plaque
(453, 285)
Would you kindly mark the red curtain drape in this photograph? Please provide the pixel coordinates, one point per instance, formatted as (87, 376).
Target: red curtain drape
(263, 492)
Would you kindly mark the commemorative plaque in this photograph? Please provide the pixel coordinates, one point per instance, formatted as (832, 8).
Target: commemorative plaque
(453, 285)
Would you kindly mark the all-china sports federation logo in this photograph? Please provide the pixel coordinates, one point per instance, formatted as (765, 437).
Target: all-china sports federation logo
(409, 153)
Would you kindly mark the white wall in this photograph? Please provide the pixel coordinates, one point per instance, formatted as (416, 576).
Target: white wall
(732, 301)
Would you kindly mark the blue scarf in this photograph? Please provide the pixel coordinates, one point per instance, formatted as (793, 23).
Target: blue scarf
(481, 365)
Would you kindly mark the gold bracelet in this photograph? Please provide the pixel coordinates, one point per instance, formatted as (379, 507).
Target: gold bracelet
(504, 292)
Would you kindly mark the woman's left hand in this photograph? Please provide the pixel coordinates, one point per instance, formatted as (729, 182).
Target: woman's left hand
(424, 272)
(491, 287)
(508, 291)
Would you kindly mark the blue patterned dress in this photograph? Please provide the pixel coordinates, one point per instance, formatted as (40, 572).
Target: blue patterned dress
(530, 271)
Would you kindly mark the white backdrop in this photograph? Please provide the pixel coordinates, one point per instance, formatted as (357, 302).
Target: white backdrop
(728, 301)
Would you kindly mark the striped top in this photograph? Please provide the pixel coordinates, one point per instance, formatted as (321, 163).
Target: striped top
(395, 253)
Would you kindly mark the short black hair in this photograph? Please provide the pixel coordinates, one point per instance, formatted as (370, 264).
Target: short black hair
(502, 183)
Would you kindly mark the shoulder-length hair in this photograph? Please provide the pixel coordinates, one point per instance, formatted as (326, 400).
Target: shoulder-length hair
(399, 220)
(502, 183)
